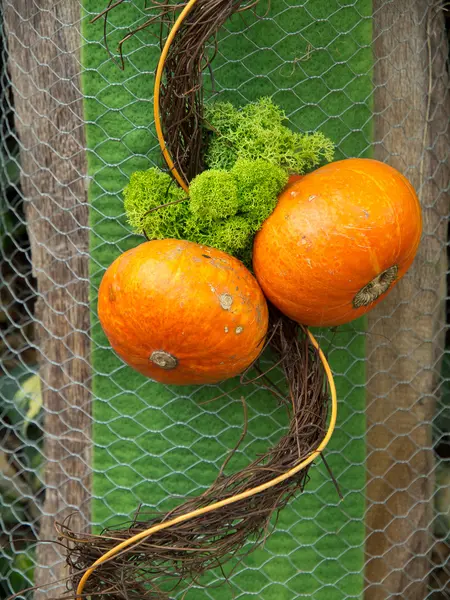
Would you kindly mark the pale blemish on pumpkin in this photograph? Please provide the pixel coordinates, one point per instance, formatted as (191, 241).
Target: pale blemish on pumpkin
(226, 300)
(221, 264)
(239, 330)
(226, 329)
(213, 289)
(173, 253)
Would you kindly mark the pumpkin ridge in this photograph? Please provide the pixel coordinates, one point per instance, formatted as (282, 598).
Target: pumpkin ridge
(413, 248)
(388, 202)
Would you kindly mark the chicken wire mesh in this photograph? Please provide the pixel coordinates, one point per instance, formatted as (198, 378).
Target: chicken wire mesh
(71, 432)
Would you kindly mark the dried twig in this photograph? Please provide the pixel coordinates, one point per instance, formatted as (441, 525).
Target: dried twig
(190, 55)
(158, 564)
(183, 552)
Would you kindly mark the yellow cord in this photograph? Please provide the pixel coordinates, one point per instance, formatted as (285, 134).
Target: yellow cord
(260, 488)
(159, 72)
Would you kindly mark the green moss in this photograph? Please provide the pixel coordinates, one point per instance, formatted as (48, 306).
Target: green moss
(257, 132)
(258, 182)
(224, 210)
(250, 155)
(233, 235)
(149, 190)
(213, 195)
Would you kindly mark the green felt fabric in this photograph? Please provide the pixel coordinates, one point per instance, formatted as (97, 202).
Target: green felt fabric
(153, 444)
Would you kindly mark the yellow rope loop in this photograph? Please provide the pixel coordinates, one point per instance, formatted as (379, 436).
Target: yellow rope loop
(253, 491)
(159, 73)
(247, 494)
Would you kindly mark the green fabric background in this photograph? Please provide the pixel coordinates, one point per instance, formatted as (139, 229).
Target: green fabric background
(155, 444)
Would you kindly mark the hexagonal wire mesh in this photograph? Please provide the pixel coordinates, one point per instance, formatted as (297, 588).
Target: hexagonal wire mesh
(107, 434)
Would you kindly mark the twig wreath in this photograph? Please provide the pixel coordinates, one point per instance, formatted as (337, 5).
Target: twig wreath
(229, 169)
(204, 532)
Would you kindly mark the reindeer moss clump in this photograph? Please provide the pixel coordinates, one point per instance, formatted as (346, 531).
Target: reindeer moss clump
(213, 195)
(224, 208)
(250, 156)
(235, 209)
(145, 193)
(257, 131)
(258, 183)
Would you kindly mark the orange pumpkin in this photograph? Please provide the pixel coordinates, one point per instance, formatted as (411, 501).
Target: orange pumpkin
(181, 313)
(338, 240)
(293, 179)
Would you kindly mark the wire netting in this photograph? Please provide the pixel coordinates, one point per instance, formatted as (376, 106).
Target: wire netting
(79, 436)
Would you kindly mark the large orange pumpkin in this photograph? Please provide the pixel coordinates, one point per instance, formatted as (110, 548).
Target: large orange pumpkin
(338, 240)
(293, 179)
(182, 313)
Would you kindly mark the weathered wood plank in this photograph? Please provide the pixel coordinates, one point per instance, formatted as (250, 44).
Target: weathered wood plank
(43, 43)
(406, 331)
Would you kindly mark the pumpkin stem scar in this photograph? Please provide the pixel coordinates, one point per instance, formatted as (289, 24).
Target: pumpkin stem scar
(373, 290)
(164, 360)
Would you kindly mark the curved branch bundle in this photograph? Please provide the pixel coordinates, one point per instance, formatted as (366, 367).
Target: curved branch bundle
(151, 558)
(185, 551)
(181, 94)
(190, 54)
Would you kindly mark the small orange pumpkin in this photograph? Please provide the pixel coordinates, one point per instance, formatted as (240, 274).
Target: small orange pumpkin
(182, 313)
(293, 179)
(338, 240)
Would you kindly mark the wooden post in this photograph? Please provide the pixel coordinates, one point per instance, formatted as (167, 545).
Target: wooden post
(43, 43)
(406, 332)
